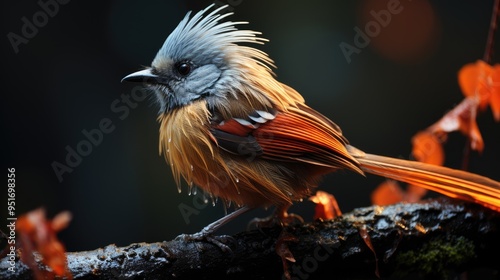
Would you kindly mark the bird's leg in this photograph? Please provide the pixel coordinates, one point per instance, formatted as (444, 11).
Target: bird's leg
(282, 218)
(207, 232)
(288, 218)
(279, 217)
(284, 252)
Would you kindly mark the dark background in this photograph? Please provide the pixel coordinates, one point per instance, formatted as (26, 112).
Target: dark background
(66, 77)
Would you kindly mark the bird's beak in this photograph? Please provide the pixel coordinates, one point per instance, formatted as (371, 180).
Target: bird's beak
(143, 76)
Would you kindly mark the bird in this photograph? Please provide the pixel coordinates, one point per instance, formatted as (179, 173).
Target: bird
(228, 126)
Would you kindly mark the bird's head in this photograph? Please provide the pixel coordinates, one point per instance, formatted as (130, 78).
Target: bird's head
(202, 59)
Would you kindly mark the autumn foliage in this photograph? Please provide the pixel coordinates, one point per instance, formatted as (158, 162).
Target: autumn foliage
(480, 84)
(38, 234)
(481, 81)
(326, 206)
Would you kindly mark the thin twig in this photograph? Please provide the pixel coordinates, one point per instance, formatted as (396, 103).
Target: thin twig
(488, 52)
(466, 153)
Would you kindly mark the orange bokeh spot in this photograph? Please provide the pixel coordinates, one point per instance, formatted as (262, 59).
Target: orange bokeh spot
(408, 30)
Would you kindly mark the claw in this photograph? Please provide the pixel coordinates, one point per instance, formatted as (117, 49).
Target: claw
(219, 241)
(291, 218)
(224, 247)
(206, 234)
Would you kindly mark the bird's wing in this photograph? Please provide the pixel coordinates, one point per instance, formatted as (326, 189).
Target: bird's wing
(297, 134)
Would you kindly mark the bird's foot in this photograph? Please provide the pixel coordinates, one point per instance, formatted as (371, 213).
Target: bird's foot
(290, 218)
(220, 241)
(206, 234)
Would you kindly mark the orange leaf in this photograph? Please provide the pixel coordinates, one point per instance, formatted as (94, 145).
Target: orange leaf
(39, 234)
(495, 105)
(414, 193)
(388, 192)
(462, 118)
(474, 80)
(427, 148)
(482, 81)
(495, 92)
(477, 142)
(61, 221)
(363, 232)
(326, 206)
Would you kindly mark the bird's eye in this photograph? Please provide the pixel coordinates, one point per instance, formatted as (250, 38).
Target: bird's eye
(183, 68)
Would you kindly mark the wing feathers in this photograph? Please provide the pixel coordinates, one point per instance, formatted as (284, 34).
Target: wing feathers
(298, 134)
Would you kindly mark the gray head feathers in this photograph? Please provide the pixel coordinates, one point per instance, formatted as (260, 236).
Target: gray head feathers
(207, 58)
(203, 38)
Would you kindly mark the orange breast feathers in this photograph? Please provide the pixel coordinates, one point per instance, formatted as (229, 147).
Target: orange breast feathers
(194, 153)
(269, 158)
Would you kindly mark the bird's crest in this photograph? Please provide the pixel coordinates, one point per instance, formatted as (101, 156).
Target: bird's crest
(205, 36)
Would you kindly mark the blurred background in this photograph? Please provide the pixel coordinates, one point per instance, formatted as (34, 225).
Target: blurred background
(66, 78)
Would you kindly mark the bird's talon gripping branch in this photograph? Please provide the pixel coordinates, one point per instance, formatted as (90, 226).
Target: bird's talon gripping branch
(219, 241)
(207, 233)
(286, 218)
(292, 218)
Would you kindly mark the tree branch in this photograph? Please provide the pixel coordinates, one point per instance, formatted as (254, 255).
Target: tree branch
(436, 238)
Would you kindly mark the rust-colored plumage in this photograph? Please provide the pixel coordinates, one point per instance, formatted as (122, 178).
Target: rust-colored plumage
(229, 127)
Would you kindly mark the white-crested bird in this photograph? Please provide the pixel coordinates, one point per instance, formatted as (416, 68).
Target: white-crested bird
(229, 127)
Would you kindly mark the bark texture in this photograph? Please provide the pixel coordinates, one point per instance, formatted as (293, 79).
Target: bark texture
(435, 239)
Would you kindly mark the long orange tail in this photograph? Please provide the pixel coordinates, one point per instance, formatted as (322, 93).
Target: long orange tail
(450, 182)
